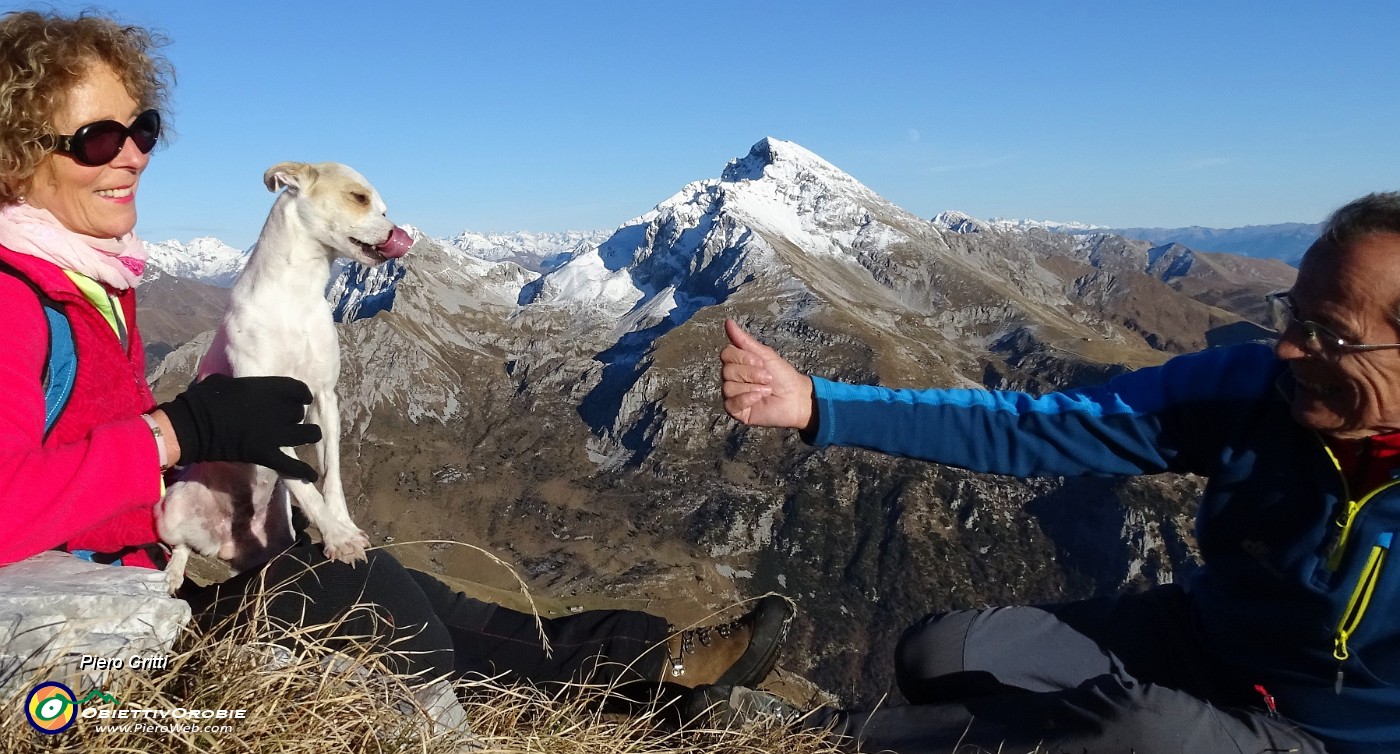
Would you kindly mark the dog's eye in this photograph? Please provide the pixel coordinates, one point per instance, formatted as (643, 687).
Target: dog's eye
(360, 199)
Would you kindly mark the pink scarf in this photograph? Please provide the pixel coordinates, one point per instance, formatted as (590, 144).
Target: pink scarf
(118, 262)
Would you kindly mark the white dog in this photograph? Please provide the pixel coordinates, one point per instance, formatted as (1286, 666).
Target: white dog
(279, 323)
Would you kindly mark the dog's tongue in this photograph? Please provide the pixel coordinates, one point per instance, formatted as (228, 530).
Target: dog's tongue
(397, 245)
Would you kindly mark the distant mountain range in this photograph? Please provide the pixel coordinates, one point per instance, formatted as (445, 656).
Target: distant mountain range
(1285, 241)
(554, 398)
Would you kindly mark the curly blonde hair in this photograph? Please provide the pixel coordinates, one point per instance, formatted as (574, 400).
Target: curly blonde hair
(42, 57)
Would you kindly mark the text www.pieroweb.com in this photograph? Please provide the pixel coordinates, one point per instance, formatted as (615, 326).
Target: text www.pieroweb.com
(172, 728)
(174, 721)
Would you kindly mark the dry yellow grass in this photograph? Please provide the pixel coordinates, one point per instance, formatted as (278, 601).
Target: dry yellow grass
(352, 704)
(313, 699)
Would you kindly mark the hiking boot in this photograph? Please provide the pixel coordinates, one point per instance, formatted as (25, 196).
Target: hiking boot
(733, 706)
(739, 653)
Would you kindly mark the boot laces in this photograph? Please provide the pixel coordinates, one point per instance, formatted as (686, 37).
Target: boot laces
(702, 635)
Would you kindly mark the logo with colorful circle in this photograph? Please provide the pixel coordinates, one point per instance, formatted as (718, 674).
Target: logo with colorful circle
(51, 707)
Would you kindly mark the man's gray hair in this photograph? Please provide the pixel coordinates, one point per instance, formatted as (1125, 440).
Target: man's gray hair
(1373, 213)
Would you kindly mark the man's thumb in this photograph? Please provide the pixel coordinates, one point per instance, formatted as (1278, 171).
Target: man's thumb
(739, 336)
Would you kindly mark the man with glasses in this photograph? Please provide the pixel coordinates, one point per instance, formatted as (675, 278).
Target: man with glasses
(1286, 639)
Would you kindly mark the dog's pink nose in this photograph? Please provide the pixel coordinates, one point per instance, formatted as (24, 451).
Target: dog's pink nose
(396, 245)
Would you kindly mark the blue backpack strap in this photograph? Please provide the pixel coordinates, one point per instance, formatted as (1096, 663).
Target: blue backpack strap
(60, 368)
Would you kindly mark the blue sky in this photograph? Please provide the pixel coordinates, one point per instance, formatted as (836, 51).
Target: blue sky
(545, 116)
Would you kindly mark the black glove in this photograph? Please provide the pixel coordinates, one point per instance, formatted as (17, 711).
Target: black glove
(246, 419)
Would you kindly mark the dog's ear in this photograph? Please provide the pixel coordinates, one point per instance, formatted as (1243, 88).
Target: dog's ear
(291, 174)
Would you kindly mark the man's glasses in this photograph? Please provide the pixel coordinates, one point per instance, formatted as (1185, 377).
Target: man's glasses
(99, 143)
(1317, 339)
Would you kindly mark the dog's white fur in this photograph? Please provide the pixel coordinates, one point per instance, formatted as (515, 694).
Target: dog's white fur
(279, 323)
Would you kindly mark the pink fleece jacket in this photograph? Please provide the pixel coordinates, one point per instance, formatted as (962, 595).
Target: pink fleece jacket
(93, 484)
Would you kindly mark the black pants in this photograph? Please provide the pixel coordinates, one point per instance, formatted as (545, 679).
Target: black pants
(1116, 675)
(431, 629)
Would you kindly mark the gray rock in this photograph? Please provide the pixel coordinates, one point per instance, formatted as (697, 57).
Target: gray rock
(436, 709)
(56, 608)
(431, 710)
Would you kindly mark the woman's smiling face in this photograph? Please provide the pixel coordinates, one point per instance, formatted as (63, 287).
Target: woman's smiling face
(94, 201)
(1353, 292)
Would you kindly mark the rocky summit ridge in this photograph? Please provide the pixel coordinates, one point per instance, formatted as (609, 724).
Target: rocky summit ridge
(567, 415)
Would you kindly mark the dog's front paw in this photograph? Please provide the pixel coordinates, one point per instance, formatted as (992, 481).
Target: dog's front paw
(175, 568)
(344, 543)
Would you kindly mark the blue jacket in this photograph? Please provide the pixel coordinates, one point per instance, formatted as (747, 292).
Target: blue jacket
(1296, 592)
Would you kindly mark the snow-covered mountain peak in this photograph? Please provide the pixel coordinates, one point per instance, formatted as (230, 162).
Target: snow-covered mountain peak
(780, 160)
(206, 259)
(751, 167)
(783, 191)
(959, 222)
(533, 251)
(1054, 226)
(776, 207)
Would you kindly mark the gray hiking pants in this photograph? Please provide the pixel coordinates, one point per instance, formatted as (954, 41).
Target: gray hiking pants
(1117, 675)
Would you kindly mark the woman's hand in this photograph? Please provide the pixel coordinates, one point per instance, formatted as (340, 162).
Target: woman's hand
(245, 419)
(761, 388)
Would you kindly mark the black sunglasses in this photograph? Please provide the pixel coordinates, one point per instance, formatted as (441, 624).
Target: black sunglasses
(99, 143)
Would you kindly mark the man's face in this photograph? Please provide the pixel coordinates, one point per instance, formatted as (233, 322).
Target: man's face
(1354, 293)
